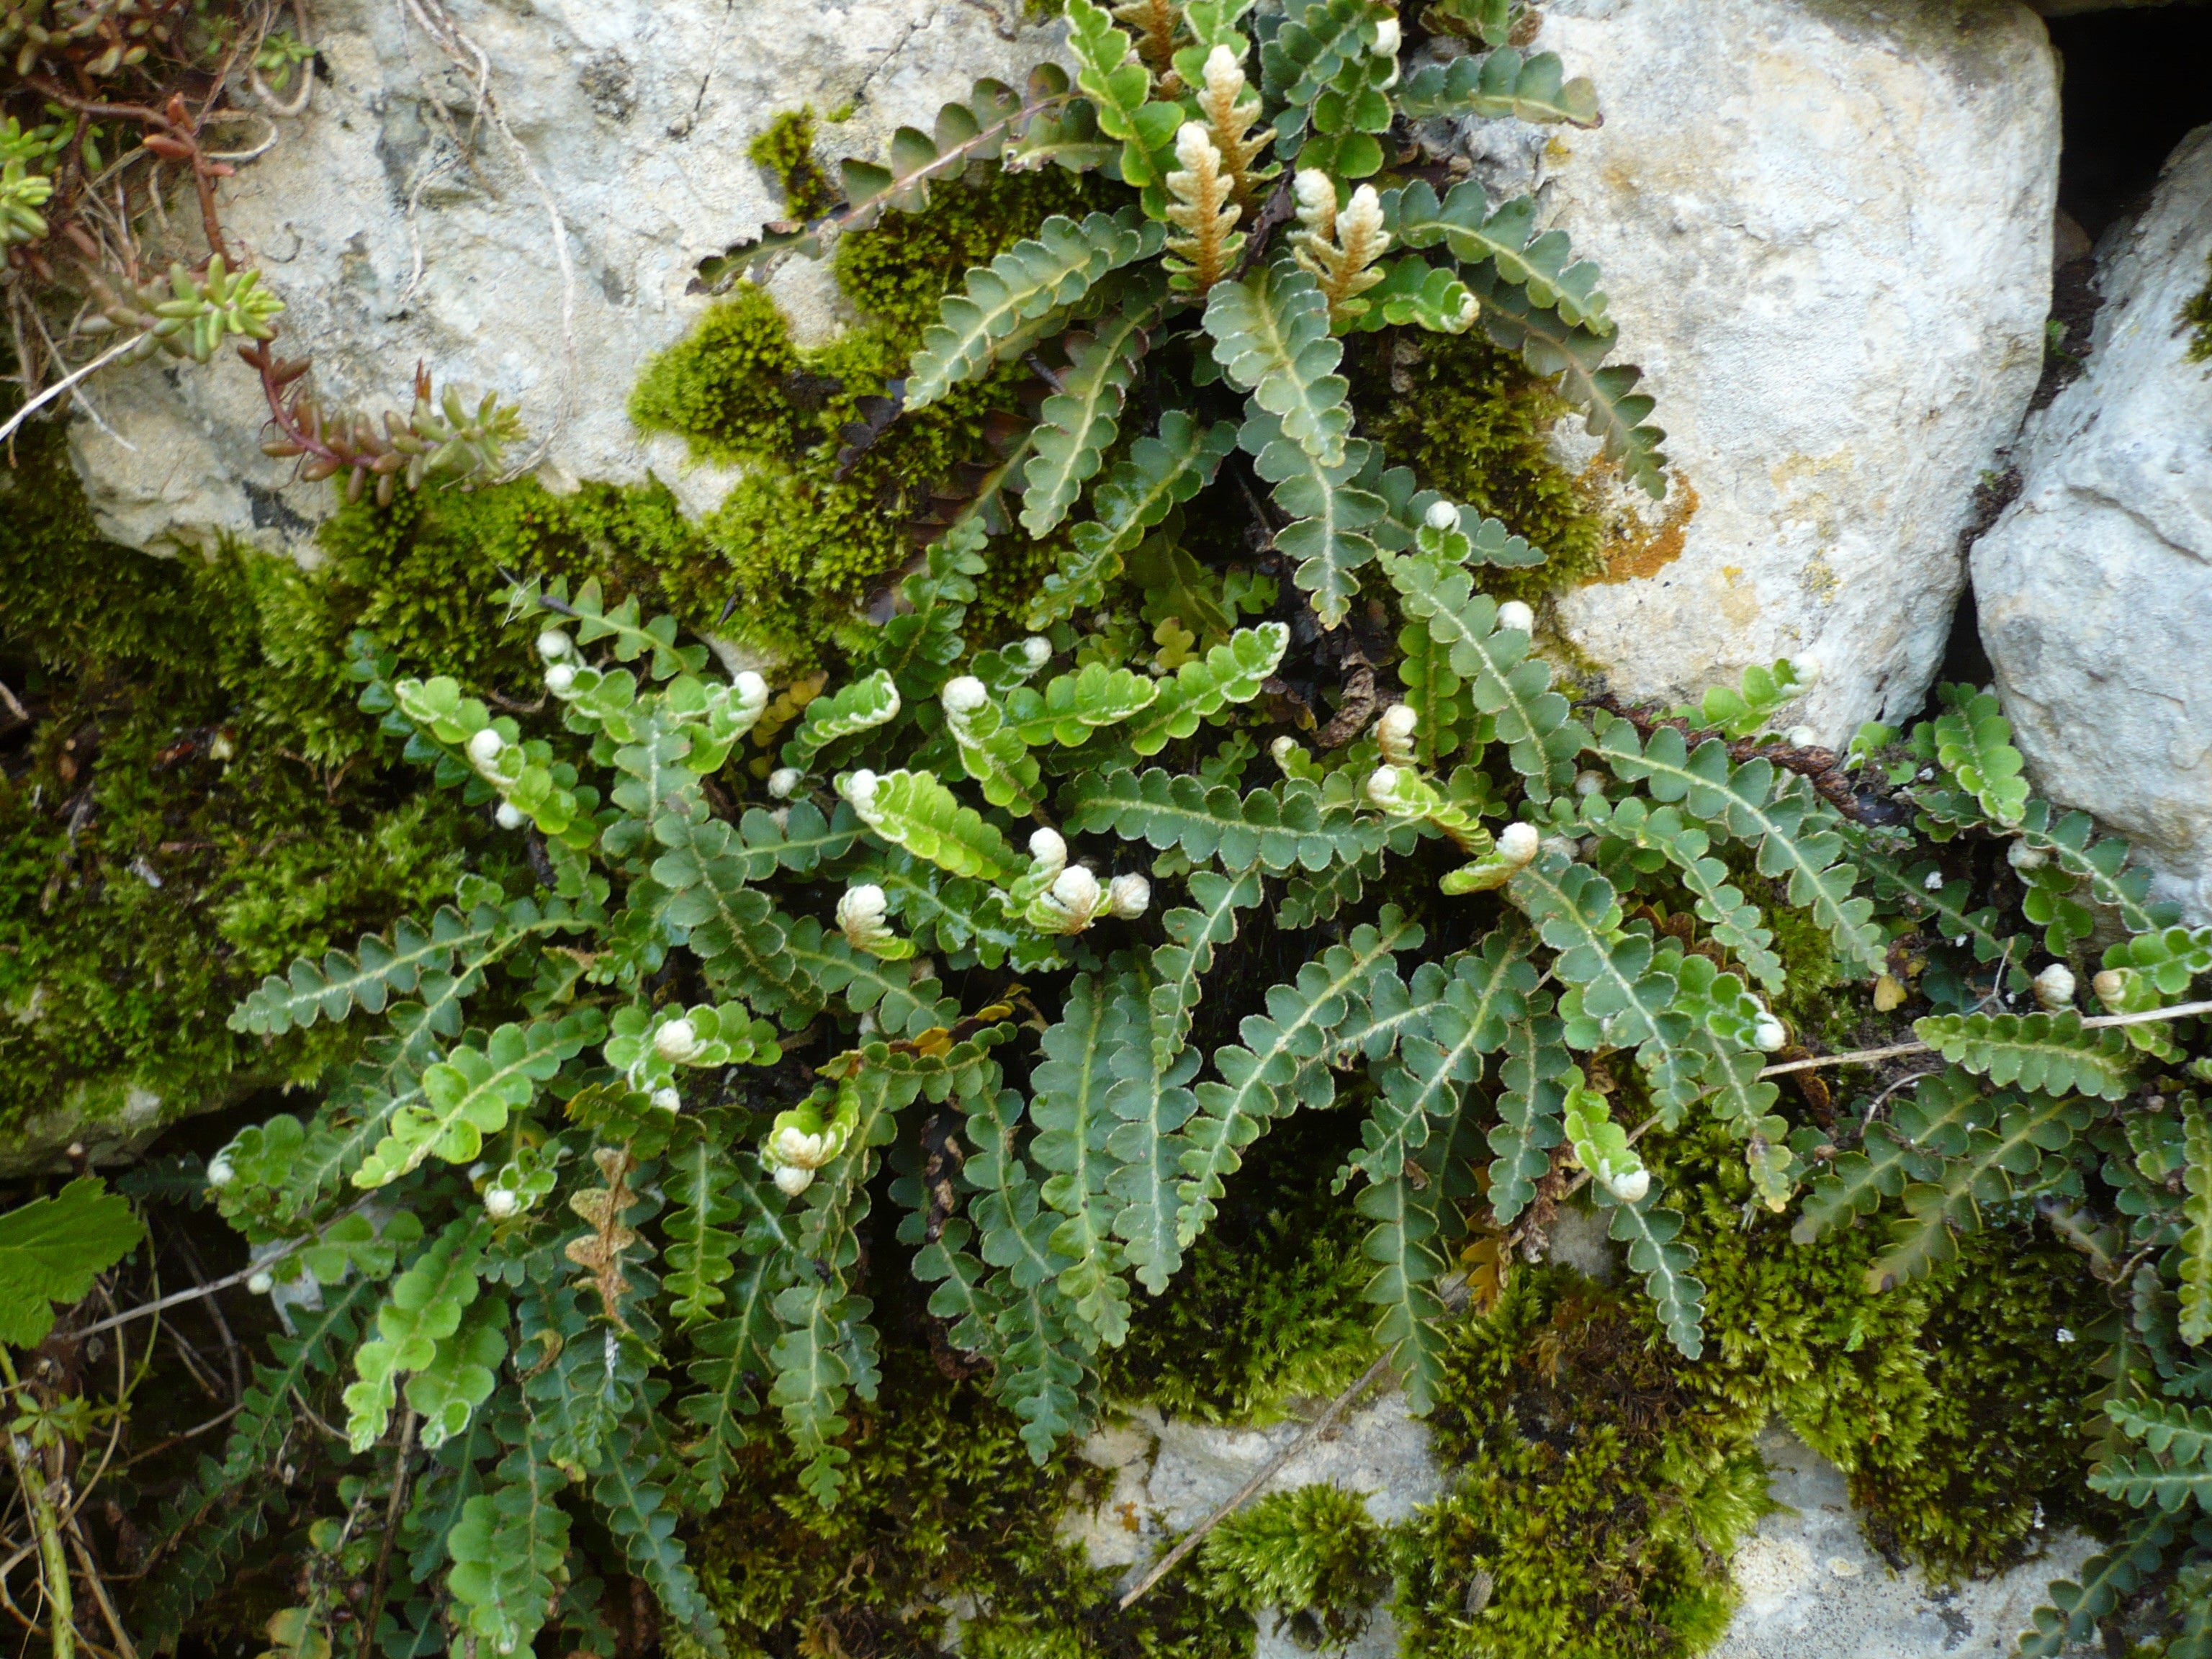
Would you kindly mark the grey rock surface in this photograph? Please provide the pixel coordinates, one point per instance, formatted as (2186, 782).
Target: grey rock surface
(1811, 1587)
(1826, 228)
(2095, 587)
(389, 244)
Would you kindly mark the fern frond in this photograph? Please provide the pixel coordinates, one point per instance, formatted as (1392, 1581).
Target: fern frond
(1073, 706)
(1411, 290)
(1080, 421)
(509, 1549)
(994, 752)
(1070, 1084)
(2142, 1482)
(1651, 1233)
(2050, 1053)
(1160, 472)
(1530, 1103)
(638, 1513)
(1230, 673)
(1256, 1077)
(1539, 264)
(1180, 967)
(2075, 1610)
(913, 810)
(1498, 85)
(1401, 1244)
(2172, 1431)
(801, 843)
(1331, 511)
(2163, 963)
(2195, 1248)
(471, 1093)
(738, 934)
(1734, 919)
(926, 635)
(1308, 899)
(424, 1309)
(1271, 338)
(1467, 1011)
(1573, 357)
(1794, 833)
(1057, 267)
(856, 707)
(1115, 81)
(1932, 1122)
(1577, 914)
(1274, 829)
(1151, 1098)
(1041, 1365)
(1507, 683)
(1232, 120)
(733, 1358)
(2023, 1153)
(334, 987)
(1974, 743)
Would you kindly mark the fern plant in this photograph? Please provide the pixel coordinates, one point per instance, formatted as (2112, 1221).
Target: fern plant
(1032, 941)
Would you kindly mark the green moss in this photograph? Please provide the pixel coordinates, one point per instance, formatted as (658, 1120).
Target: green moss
(809, 533)
(943, 1505)
(786, 150)
(1950, 1402)
(1472, 422)
(1268, 1309)
(1311, 1555)
(2197, 317)
(198, 802)
(2009, 1413)
(1592, 1496)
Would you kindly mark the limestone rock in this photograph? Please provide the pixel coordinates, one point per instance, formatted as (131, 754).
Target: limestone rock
(2095, 587)
(635, 113)
(1812, 1587)
(1826, 228)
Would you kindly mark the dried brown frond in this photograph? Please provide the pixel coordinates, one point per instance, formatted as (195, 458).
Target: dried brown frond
(1231, 118)
(1339, 248)
(1203, 247)
(1154, 23)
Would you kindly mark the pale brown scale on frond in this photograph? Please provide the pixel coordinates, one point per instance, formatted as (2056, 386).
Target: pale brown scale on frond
(1204, 245)
(1233, 119)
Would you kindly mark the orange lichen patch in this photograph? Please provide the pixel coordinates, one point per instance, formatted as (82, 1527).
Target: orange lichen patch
(1636, 547)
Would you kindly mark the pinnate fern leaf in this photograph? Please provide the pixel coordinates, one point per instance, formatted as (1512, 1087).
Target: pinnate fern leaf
(2195, 1250)
(1082, 418)
(1498, 85)
(1256, 1077)
(1572, 357)
(1271, 337)
(1150, 1099)
(422, 1309)
(1331, 514)
(1282, 828)
(1229, 672)
(1180, 967)
(855, 708)
(1777, 813)
(913, 810)
(2075, 1610)
(340, 984)
(1506, 683)
(1652, 1231)
(1071, 1084)
(1159, 472)
(471, 1093)
(1055, 267)
(1539, 264)
(2048, 1052)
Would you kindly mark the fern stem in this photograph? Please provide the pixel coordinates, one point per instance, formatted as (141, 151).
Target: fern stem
(1864, 1056)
